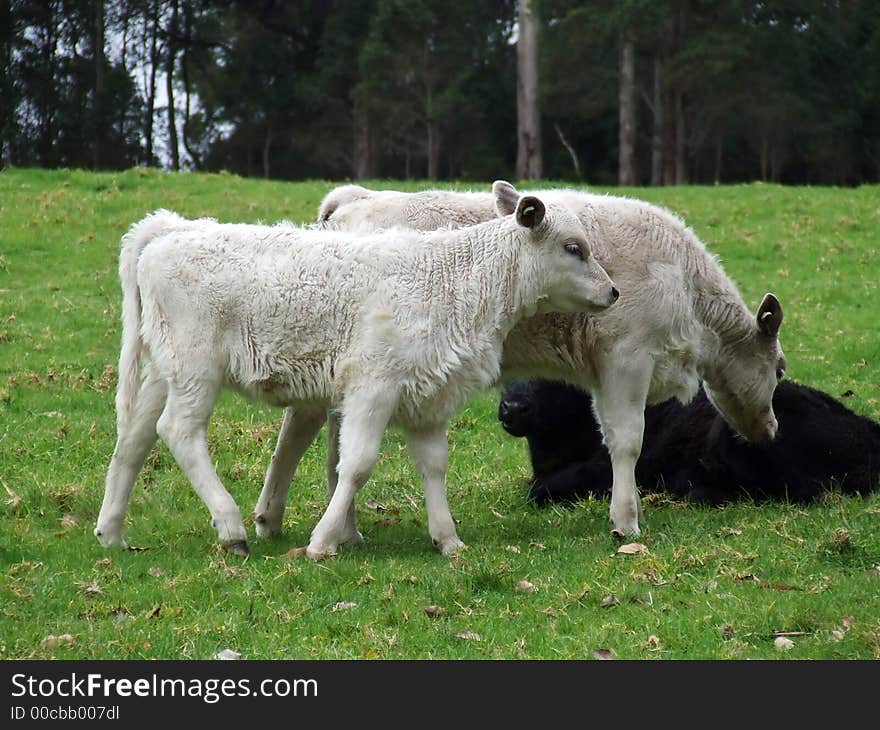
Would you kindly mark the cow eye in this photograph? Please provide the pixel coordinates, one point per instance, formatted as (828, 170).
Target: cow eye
(574, 250)
(780, 373)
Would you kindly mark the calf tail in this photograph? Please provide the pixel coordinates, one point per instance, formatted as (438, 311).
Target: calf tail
(133, 243)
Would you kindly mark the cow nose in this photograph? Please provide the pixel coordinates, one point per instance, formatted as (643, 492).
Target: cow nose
(509, 410)
(615, 295)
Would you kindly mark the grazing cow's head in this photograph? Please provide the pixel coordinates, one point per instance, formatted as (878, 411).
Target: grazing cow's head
(574, 280)
(339, 198)
(741, 382)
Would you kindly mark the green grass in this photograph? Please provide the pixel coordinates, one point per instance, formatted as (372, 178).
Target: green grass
(716, 583)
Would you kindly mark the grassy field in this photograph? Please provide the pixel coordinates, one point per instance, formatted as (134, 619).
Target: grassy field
(714, 584)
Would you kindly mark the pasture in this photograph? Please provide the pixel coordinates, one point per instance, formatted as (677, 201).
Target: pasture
(533, 583)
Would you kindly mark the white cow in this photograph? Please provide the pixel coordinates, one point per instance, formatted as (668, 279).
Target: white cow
(399, 326)
(679, 320)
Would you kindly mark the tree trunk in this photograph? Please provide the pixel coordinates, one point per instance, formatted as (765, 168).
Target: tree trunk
(100, 126)
(7, 117)
(187, 144)
(657, 133)
(170, 59)
(669, 139)
(681, 176)
(681, 173)
(529, 163)
(764, 162)
(267, 147)
(363, 167)
(45, 113)
(151, 86)
(626, 170)
(433, 144)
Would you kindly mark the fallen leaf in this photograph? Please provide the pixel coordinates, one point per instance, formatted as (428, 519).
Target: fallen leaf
(537, 546)
(745, 576)
(104, 563)
(156, 571)
(633, 548)
(68, 521)
(526, 586)
(847, 621)
(295, 552)
(227, 655)
(154, 611)
(837, 635)
(653, 642)
(388, 521)
(512, 549)
(13, 500)
(604, 654)
(497, 514)
(373, 504)
(344, 605)
(468, 636)
(136, 549)
(778, 586)
(783, 643)
(89, 589)
(52, 640)
(433, 611)
(610, 600)
(711, 585)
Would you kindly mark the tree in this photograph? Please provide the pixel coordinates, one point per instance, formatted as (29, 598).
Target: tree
(626, 174)
(529, 159)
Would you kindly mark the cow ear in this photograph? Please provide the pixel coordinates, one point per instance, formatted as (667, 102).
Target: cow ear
(506, 197)
(530, 211)
(769, 317)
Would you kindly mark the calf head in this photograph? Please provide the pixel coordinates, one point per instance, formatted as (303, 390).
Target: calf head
(740, 384)
(338, 198)
(568, 274)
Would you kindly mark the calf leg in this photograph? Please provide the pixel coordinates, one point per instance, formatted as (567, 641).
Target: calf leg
(619, 403)
(430, 453)
(134, 440)
(350, 532)
(364, 418)
(183, 425)
(298, 431)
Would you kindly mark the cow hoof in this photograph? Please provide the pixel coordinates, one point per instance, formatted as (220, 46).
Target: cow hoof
(449, 546)
(239, 547)
(317, 553)
(264, 528)
(622, 534)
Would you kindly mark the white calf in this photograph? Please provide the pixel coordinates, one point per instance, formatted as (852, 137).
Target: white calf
(399, 326)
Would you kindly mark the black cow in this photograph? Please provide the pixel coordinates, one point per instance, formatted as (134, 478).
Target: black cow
(690, 452)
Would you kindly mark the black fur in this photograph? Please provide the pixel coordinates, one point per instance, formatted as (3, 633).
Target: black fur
(690, 452)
